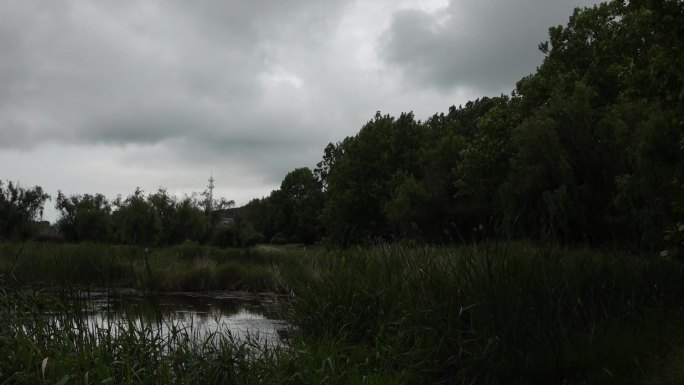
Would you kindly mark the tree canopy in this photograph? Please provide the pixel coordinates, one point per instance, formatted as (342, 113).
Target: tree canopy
(20, 207)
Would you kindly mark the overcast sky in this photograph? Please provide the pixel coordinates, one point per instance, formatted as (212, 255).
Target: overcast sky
(105, 96)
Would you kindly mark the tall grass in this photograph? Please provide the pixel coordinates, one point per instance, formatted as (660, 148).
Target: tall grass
(488, 314)
(188, 267)
(39, 349)
(495, 313)
(62, 349)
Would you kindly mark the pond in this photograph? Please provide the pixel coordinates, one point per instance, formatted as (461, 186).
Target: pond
(241, 315)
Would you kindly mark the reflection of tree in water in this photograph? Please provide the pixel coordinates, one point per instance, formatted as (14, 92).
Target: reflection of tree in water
(153, 307)
(239, 314)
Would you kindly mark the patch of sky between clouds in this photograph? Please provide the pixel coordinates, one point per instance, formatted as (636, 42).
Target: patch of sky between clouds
(277, 76)
(427, 6)
(363, 23)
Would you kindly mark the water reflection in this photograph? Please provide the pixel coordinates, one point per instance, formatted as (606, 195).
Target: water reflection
(239, 314)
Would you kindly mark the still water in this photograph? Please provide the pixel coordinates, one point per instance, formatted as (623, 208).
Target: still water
(238, 314)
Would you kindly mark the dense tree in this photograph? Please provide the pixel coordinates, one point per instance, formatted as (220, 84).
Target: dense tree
(165, 209)
(84, 218)
(19, 209)
(290, 214)
(183, 219)
(136, 221)
(366, 170)
(301, 204)
(189, 222)
(606, 109)
(155, 219)
(589, 148)
(260, 213)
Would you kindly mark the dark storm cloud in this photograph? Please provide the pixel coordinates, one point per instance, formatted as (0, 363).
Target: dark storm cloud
(482, 44)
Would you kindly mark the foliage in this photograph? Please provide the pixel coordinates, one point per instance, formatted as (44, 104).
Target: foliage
(588, 149)
(361, 181)
(290, 214)
(156, 219)
(85, 218)
(135, 220)
(19, 209)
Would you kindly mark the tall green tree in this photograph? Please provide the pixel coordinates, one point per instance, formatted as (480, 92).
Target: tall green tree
(366, 169)
(610, 91)
(189, 221)
(84, 218)
(135, 220)
(165, 209)
(19, 209)
(302, 203)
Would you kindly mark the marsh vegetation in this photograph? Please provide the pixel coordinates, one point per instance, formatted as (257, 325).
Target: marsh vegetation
(491, 313)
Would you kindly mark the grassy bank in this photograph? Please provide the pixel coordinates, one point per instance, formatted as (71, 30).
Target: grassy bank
(491, 314)
(188, 267)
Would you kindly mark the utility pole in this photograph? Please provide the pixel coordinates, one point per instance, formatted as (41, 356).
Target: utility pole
(210, 197)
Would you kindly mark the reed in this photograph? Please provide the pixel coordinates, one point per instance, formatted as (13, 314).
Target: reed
(494, 313)
(63, 349)
(187, 267)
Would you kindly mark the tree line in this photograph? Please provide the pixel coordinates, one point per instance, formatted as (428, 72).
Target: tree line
(588, 149)
(154, 219)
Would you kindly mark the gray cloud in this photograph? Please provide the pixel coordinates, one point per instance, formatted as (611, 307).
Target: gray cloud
(485, 44)
(105, 72)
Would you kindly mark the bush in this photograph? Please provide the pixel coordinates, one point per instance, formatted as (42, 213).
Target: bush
(191, 250)
(228, 276)
(224, 236)
(279, 239)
